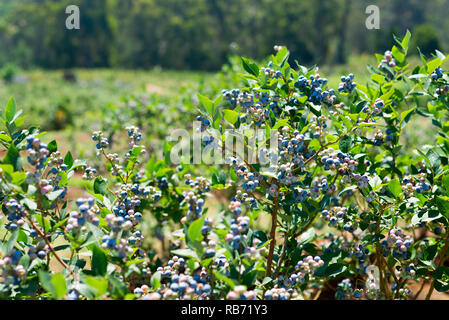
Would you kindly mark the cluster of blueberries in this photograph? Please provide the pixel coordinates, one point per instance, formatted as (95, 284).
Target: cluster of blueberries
(271, 72)
(15, 213)
(320, 185)
(243, 197)
(241, 293)
(134, 135)
(195, 206)
(335, 215)
(123, 237)
(397, 244)
(205, 123)
(231, 96)
(11, 272)
(347, 84)
(40, 250)
(281, 294)
(177, 283)
(250, 180)
(292, 147)
(101, 141)
(410, 186)
(37, 152)
(57, 162)
(209, 140)
(387, 63)
(376, 109)
(239, 225)
(319, 125)
(407, 271)
(116, 169)
(305, 269)
(315, 89)
(437, 74)
(87, 212)
(361, 253)
(345, 290)
(51, 185)
(336, 160)
(442, 86)
(300, 194)
(89, 172)
(199, 184)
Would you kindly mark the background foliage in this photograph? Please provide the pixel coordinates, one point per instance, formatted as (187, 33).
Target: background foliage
(199, 34)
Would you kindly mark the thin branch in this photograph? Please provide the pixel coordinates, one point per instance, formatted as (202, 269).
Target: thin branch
(274, 214)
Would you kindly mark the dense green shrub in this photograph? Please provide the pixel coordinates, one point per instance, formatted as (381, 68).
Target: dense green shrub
(352, 211)
(8, 71)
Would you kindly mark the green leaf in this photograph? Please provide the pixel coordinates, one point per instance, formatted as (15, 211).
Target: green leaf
(395, 188)
(307, 236)
(194, 231)
(445, 181)
(5, 137)
(266, 280)
(22, 236)
(100, 286)
(156, 280)
(99, 261)
(100, 185)
(249, 278)
(188, 253)
(406, 115)
(59, 285)
(432, 65)
(347, 189)
(68, 160)
(207, 103)
(442, 203)
(54, 194)
(434, 159)
(405, 42)
(10, 110)
(43, 222)
(13, 157)
(250, 66)
(230, 116)
(52, 146)
(345, 144)
(224, 278)
(377, 78)
(398, 55)
(335, 269)
(272, 118)
(46, 283)
(18, 177)
(11, 242)
(441, 276)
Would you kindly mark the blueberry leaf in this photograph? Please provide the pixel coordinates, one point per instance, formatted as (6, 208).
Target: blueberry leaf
(395, 188)
(10, 110)
(99, 261)
(194, 230)
(68, 160)
(100, 185)
(345, 144)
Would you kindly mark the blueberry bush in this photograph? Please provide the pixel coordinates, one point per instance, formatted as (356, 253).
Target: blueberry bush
(344, 211)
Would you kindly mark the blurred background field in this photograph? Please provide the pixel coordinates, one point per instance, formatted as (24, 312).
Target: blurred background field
(143, 62)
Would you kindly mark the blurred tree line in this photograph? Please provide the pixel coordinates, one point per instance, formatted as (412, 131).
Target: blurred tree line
(200, 34)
